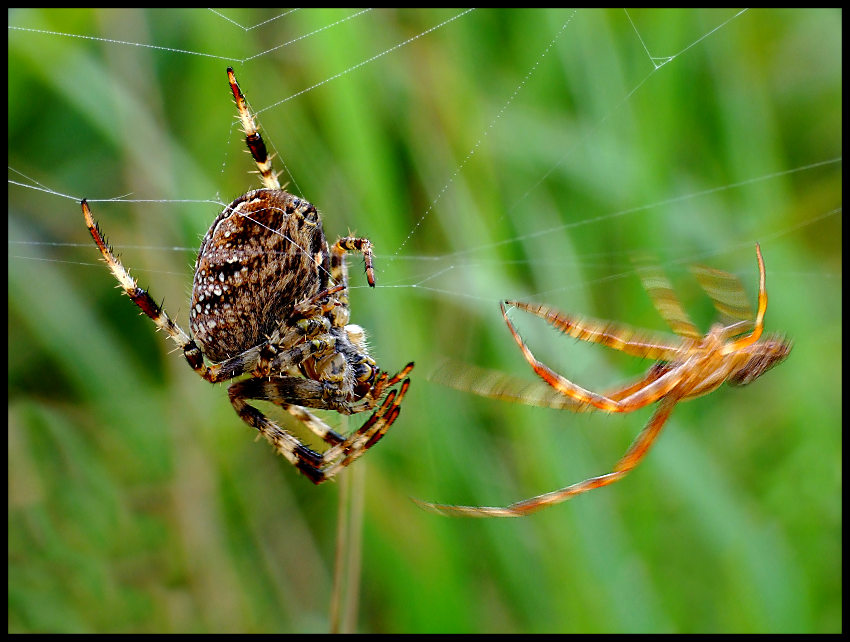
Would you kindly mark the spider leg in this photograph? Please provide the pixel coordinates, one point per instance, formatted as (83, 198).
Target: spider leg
(310, 307)
(316, 347)
(664, 298)
(612, 335)
(369, 434)
(727, 294)
(248, 361)
(311, 421)
(647, 395)
(285, 392)
(749, 339)
(377, 425)
(499, 385)
(640, 446)
(252, 135)
(657, 371)
(398, 376)
(339, 273)
(738, 327)
(217, 372)
(309, 320)
(314, 423)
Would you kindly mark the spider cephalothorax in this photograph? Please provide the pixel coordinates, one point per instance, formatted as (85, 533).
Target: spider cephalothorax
(270, 300)
(690, 366)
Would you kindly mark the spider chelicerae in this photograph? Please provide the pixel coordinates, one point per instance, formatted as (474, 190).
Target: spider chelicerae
(694, 365)
(270, 300)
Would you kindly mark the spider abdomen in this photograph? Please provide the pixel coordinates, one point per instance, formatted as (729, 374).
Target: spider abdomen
(263, 254)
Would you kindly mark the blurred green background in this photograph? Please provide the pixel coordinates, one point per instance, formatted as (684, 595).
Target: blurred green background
(482, 168)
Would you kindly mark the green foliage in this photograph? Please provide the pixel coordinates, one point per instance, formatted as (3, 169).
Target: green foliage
(138, 500)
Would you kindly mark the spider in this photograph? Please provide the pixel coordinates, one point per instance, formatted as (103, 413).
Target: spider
(685, 368)
(270, 300)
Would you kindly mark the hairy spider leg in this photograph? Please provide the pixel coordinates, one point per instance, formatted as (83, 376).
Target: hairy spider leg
(401, 374)
(664, 299)
(728, 296)
(214, 373)
(339, 272)
(500, 385)
(636, 452)
(642, 344)
(282, 391)
(258, 150)
(370, 433)
(749, 339)
(285, 391)
(248, 361)
(330, 436)
(253, 139)
(314, 424)
(645, 396)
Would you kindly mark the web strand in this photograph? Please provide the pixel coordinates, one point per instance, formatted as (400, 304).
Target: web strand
(443, 265)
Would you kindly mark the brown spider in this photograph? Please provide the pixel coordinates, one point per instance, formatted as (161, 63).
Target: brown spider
(270, 299)
(685, 368)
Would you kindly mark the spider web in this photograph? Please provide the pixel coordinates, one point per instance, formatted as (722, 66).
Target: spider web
(556, 222)
(489, 155)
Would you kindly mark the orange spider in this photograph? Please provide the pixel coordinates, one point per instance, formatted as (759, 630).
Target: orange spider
(685, 368)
